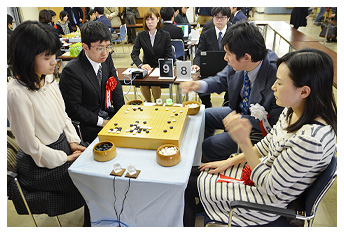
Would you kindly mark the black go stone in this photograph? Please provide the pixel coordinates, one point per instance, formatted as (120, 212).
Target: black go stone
(171, 127)
(165, 130)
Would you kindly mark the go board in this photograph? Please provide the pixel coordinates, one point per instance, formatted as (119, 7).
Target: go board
(146, 127)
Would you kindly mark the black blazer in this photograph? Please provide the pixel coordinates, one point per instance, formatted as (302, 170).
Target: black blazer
(207, 42)
(175, 31)
(78, 14)
(83, 96)
(162, 48)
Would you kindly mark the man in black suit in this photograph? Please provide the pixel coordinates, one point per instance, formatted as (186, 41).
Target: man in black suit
(75, 15)
(167, 14)
(86, 79)
(210, 40)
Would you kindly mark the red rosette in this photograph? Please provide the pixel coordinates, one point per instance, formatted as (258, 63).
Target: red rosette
(246, 175)
(111, 84)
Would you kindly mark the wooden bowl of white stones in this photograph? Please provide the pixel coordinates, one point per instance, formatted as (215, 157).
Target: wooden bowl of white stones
(104, 151)
(193, 106)
(168, 155)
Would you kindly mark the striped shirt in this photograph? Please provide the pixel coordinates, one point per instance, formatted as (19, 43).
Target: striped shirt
(291, 162)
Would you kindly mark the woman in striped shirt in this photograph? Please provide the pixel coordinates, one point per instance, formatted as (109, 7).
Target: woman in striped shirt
(289, 159)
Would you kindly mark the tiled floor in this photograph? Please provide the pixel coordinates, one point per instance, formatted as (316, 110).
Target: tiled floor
(327, 211)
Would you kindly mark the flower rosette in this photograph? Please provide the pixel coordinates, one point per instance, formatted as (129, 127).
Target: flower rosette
(110, 86)
(258, 112)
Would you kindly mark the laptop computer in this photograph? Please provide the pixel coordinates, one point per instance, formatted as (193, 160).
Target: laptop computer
(211, 63)
(185, 28)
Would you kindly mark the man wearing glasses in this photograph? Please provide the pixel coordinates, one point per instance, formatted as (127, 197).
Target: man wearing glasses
(210, 40)
(84, 79)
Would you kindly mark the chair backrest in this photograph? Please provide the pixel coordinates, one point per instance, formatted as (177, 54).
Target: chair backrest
(179, 47)
(123, 31)
(174, 54)
(321, 185)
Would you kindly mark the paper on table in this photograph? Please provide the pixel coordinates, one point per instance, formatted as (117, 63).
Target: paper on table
(183, 79)
(128, 71)
(156, 72)
(165, 78)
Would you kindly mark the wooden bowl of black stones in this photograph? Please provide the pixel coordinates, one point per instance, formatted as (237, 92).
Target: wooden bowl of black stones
(135, 102)
(104, 151)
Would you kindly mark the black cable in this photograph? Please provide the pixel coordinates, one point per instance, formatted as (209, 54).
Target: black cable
(118, 216)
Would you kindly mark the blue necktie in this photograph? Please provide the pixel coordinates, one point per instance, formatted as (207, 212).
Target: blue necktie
(244, 104)
(219, 41)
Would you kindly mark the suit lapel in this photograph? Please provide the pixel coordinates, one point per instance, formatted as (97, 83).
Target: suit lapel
(157, 39)
(260, 83)
(147, 41)
(213, 38)
(90, 74)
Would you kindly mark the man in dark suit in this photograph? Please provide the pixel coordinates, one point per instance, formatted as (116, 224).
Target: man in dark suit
(85, 79)
(210, 41)
(167, 14)
(76, 15)
(99, 11)
(251, 67)
(237, 15)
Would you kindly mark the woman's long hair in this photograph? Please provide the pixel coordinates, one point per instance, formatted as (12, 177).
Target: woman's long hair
(314, 69)
(28, 40)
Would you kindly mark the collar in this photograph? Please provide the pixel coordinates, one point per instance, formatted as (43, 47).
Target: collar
(95, 65)
(218, 30)
(152, 36)
(168, 22)
(252, 75)
(236, 13)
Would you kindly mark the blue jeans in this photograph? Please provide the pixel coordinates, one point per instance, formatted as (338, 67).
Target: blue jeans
(320, 14)
(220, 146)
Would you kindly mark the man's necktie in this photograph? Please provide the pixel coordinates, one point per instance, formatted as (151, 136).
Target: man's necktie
(244, 104)
(219, 41)
(100, 75)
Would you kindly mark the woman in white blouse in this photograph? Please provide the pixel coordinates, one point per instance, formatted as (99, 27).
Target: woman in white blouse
(288, 160)
(35, 109)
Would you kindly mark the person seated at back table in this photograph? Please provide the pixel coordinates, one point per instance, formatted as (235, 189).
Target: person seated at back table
(251, 67)
(298, 148)
(47, 139)
(167, 14)
(84, 80)
(63, 26)
(237, 15)
(99, 11)
(155, 44)
(210, 40)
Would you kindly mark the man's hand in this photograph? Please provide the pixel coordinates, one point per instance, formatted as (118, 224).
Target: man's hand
(105, 122)
(188, 86)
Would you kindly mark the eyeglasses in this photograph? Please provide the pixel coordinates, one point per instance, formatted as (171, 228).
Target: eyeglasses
(220, 18)
(102, 49)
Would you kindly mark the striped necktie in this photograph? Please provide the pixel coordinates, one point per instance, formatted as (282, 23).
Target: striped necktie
(100, 75)
(244, 104)
(219, 41)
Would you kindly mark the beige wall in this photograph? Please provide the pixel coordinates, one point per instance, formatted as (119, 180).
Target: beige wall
(29, 13)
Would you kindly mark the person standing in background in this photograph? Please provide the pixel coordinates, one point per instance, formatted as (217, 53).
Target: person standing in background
(112, 13)
(76, 15)
(299, 16)
(203, 14)
(130, 15)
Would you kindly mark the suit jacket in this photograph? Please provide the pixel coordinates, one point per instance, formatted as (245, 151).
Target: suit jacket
(207, 42)
(83, 96)
(162, 48)
(232, 82)
(175, 31)
(210, 24)
(107, 22)
(78, 14)
(239, 16)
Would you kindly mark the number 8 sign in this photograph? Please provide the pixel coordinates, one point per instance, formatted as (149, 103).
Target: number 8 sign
(183, 69)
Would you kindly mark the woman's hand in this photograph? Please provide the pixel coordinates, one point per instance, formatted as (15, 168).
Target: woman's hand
(76, 147)
(218, 166)
(73, 156)
(238, 128)
(146, 67)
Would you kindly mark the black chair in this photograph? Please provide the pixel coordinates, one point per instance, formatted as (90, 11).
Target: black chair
(309, 199)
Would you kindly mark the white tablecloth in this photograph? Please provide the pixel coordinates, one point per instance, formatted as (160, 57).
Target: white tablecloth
(155, 198)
